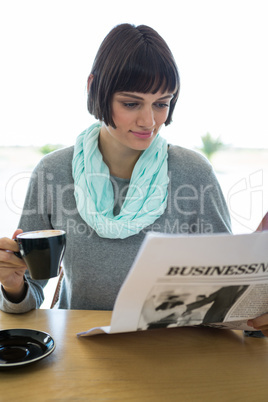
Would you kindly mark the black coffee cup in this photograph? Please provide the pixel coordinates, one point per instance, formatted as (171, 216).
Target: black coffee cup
(42, 251)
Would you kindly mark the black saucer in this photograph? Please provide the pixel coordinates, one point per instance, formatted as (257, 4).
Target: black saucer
(24, 346)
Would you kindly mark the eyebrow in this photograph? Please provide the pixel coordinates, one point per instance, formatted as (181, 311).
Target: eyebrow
(128, 95)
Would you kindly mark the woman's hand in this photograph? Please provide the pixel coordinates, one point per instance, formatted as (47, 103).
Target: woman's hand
(12, 268)
(260, 323)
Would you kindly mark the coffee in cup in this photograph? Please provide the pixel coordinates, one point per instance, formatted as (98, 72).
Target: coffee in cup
(42, 251)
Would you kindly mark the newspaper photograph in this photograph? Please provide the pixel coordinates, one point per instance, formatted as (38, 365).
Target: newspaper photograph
(199, 280)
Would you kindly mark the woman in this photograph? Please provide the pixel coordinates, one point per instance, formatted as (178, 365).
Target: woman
(119, 181)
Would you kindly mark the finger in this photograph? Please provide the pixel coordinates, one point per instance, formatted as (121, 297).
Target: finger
(15, 234)
(262, 327)
(265, 332)
(264, 224)
(8, 258)
(8, 244)
(259, 322)
(12, 271)
(16, 267)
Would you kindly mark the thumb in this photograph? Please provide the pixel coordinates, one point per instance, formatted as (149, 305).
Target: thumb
(18, 231)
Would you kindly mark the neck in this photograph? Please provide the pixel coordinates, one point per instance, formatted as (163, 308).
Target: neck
(119, 159)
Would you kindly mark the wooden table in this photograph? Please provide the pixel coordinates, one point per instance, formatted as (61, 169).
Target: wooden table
(179, 364)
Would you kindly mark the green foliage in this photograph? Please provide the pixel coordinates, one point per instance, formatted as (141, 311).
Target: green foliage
(46, 149)
(210, 145)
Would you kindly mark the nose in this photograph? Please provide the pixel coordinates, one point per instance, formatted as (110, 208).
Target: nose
(146, 118)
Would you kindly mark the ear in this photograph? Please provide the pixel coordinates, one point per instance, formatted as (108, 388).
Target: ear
(89, 81)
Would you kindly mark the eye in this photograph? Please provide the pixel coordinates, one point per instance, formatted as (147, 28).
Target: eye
(130, 105)
(161, 105)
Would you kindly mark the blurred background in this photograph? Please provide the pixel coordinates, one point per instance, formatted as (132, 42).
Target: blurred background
(47, 50)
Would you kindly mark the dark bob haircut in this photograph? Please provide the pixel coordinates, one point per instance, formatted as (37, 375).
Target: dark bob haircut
(131, 59)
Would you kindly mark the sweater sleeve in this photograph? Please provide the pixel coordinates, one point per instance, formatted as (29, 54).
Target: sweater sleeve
(215, 207)
(35, 216)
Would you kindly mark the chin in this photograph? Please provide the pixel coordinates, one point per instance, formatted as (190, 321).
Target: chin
(142, 145)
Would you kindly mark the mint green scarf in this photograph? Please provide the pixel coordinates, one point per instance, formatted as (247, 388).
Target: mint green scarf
(146, 197)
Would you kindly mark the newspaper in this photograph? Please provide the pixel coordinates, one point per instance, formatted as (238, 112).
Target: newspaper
(210, 280)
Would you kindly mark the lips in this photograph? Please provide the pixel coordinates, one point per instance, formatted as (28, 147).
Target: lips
(143, 134)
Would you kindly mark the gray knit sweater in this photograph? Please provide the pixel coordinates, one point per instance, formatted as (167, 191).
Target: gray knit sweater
(95, 267)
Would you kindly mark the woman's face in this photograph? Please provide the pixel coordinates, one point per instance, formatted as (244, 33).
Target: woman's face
(138, 117)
